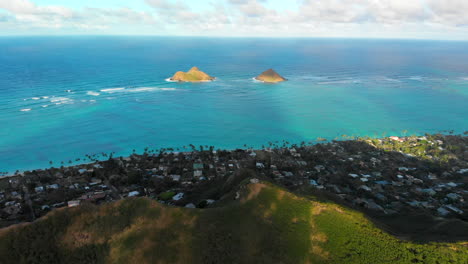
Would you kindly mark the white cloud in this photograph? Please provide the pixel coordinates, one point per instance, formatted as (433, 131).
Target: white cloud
(365, 18)
(26, 14)
(449, 12)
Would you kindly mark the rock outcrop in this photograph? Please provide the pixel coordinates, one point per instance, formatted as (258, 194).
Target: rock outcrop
(270, 76)
(194, 75)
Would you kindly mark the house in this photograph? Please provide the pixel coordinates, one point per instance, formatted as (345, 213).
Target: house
(302, 163)
(429, 191)
(319, 168)
(454, 209)
(178, 196)
(365, 188)
(39, 189)
(190, 205)
(175, 177)
(73, 203)
(451, 184)
(396, 139)
(442, 211)
(374, 206)
(382, 182)
(254, 180)
(197, 173)
(95, 181)
(53, 186)
(198, 166)
(453, 196)
(12, 209)
(133, 194)
(260, 165)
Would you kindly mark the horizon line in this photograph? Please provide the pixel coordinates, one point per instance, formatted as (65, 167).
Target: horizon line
(233, 37)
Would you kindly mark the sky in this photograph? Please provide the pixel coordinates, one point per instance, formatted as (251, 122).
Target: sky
(407, 19)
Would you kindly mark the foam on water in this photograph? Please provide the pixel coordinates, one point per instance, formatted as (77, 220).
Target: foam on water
(26, 110)
(142, 89)
(93, 93)
(112, 90)
(149, 89)
(340, 82)
(416, 78)
(167, 89)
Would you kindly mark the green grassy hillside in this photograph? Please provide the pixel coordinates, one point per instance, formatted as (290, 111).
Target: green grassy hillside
(267, 225)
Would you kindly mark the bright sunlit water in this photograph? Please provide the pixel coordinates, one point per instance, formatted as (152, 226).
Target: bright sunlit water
(64, 97)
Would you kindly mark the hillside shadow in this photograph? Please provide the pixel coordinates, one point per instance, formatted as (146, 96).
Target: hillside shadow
(418, 223)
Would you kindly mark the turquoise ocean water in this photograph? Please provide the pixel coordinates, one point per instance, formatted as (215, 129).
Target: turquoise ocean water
(64, 97)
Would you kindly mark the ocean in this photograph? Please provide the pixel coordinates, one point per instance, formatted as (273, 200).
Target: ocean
(62, 98)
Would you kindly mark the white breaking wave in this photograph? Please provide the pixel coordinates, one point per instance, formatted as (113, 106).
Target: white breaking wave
(257, 81)
(136, 90)
(142, 89)
(61, 100)
(25, 110)
(149, 89)
(169, 80)
(45, 97)
(339, 82)
(387, 79)
(168, 89)
(45, 106)
(415, 78)
(111, 90)
(93, 93)
(36, 98)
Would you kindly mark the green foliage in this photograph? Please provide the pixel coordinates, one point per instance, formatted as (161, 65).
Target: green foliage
(165, 196)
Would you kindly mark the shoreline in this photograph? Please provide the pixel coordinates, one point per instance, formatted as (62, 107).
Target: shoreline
(384, 177)
(102, 157)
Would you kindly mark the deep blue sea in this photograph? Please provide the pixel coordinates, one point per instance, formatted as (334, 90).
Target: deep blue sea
(64, 97)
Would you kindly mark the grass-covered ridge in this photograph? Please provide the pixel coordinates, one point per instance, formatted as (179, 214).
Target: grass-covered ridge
(266, 225)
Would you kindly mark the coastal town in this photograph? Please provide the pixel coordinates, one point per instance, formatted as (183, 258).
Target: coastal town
(388, 176)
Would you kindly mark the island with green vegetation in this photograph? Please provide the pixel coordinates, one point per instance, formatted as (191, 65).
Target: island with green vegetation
(270, 76)
(193, 75)
(350, 200)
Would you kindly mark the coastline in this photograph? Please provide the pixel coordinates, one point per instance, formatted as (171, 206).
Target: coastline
(367, 174)
(102, 156)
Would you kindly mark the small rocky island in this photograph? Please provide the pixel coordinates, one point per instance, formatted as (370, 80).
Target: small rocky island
(270, 76)
(193, 75)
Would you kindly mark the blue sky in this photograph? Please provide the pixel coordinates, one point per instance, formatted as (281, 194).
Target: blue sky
(421, 19)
